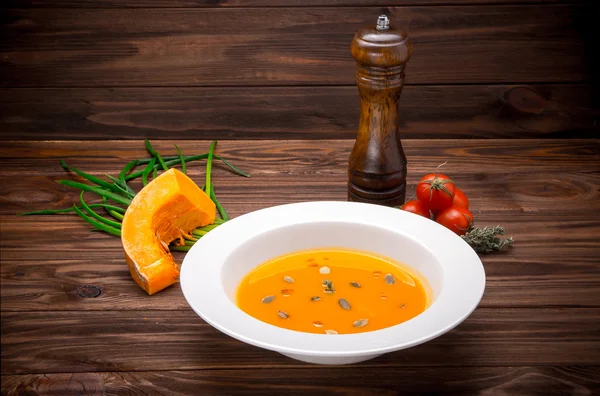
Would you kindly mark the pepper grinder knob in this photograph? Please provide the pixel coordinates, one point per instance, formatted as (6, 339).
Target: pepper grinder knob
(383, 22)
(377, 165)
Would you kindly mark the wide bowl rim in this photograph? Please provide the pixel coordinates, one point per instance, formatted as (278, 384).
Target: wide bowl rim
(462, 270)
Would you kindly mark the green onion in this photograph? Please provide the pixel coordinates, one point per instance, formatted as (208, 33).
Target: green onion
(175, 160)
(220, 207)
(147, 171)
(211, 151)
(155, 154)
(86, 187)
(58, 211)
(169, 158)
(122, 186)
(116, 214)
(120, 192)
(92, 178)
(207, 227)
(127, 168)
(98, 225)
(96, 215)
(180, 248)
(230, 165)
(182, 160)
(109, 207)
(199, 233)
(136, 174)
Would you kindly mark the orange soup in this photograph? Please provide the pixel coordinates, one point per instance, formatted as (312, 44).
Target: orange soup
(331, 291)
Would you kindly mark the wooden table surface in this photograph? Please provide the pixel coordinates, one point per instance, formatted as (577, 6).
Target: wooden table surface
(536, 331)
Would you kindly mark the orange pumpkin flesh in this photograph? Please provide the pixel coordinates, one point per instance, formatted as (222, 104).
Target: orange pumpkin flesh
(167, 208)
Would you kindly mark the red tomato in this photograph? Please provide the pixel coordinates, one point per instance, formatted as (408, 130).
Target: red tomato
(456, 219)
(436, 191)
(460, 199)
(416, 207)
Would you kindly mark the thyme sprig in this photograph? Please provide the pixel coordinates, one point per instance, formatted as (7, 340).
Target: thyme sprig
(485, 240)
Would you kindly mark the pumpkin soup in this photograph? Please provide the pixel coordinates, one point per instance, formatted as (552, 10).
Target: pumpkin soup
(331, 291)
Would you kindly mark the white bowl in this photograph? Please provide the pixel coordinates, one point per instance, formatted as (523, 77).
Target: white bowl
(216, 264)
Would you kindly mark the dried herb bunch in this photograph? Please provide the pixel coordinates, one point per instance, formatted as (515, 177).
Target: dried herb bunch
(485, 240)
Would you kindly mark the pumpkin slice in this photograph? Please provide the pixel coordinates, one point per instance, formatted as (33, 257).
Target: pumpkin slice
(169, 207)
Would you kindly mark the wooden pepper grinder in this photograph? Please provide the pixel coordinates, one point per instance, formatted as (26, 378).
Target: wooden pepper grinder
(377, 166)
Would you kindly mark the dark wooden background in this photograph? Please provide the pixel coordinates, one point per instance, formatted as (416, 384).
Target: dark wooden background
(230, 69)
(506, 91)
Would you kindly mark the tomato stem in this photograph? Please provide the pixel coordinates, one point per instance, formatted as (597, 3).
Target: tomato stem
(438, 184)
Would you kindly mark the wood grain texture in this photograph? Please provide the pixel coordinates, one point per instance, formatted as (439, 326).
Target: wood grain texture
(253, 3)
(46, 342)
(535, 273)
(542, 191)
(536, 332)
(310, 157)
(543, 381)
(288, 46)
(472, 111)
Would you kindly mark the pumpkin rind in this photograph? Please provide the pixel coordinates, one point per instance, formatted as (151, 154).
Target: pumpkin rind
(164, 210)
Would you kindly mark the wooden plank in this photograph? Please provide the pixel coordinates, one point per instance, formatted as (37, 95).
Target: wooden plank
(45, 342)
(535, 273)
(253, 3)
(310, 157)
(538, 193)
(516, 183)
(307, 46)
(568, 380)
(471, 111)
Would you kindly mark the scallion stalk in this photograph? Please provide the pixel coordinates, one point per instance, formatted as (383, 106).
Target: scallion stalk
(127, 168)
(183, 168)
(147, 171)
(155, 154)
(86, 187)
(211, 152)
(98, 225)
(95, 215)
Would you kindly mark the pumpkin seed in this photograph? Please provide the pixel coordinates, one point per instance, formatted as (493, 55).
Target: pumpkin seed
(317, 323)
(288, 279)
(361, 322)
(344, 304)
(324, 270)
(315, 298)
(328, 286)
(389, 279)
(355, 284)
(330, 332)
(268, 299)
(283, 315)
